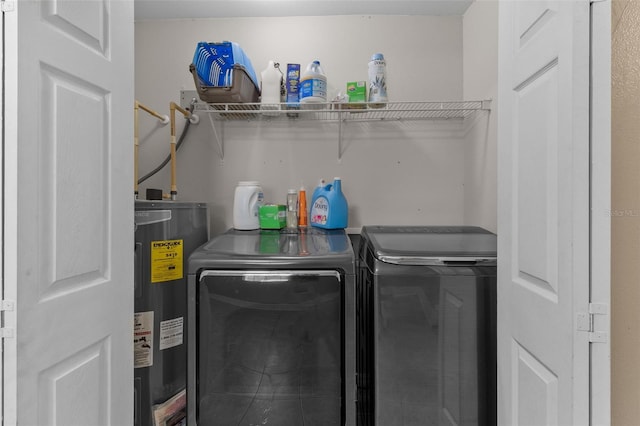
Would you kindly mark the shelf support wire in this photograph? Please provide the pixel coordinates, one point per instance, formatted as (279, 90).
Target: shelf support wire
(340, 136)
(217, 136)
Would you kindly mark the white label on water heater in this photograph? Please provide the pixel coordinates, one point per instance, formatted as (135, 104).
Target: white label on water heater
(171, 332)
(143, 339)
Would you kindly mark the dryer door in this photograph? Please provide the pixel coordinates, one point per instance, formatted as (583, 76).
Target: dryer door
(269, 347)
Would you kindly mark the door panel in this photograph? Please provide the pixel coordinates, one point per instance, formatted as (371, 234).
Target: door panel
(69, 255)
(535, 256)
(543, 212)
(536, 389)
(75, 214)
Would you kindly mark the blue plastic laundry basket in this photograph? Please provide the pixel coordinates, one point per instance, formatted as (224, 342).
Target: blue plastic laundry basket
(214, 63)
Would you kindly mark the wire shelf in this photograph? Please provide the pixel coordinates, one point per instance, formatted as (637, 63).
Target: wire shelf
(346, 112)
(340, 113)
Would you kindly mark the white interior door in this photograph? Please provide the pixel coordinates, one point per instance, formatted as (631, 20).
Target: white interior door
(68, 212)
(543, 213)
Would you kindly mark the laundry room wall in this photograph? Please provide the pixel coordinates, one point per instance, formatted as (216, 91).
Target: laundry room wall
(409, 172)
(480, 81)
(625, 212)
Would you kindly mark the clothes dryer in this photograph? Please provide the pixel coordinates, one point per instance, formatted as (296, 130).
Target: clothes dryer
(426, 326)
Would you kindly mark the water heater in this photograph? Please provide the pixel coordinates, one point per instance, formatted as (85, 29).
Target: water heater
(166, 233)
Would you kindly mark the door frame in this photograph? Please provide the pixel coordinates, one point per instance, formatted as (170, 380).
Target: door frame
(2, 112)
(600, 153)
(9, 202)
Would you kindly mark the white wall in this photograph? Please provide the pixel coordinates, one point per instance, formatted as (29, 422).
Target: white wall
(393, 173)
(480, 81)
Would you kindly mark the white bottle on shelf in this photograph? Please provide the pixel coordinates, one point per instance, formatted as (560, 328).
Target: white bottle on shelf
(313, 84)
(272, 80)
(377, 81)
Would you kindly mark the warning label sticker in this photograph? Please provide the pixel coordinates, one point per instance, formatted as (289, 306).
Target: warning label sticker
(166, 260)
(143, 339)
(171, 333)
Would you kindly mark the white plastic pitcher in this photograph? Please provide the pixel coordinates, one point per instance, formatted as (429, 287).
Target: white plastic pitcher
(246, 205)
(272, 81)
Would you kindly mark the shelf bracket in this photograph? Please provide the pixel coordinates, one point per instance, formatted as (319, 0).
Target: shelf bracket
(340, 136)
(217, 137)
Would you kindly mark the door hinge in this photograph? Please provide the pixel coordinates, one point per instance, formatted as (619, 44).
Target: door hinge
(7, 306)
(6, 333)
(7, 5)
(585, 322)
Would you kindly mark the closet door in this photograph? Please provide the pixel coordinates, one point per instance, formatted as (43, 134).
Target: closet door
(543, 213)
(68, 212)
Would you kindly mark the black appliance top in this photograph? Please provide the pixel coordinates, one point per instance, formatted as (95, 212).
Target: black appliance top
(431, 245)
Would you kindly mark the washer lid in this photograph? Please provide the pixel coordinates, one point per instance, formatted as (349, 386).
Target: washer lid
(310, 248)
(433, 245)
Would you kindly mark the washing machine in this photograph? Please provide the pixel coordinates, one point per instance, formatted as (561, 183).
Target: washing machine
(426, 326)
(273, 329)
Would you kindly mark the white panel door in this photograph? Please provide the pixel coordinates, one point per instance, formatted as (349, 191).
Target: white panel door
(68, 212)
(543, 213)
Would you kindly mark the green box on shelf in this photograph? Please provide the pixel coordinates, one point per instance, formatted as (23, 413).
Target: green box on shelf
(357, 91)
(273, 216)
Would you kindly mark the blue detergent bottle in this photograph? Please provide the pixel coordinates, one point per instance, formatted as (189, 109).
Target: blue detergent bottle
(329, 207)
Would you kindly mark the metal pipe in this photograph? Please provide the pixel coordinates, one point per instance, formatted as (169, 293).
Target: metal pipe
(163, 118)
(194, 119)
(136, 149)
(136, 139)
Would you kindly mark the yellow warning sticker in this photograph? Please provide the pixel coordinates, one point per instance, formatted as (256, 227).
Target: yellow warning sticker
(166, 260)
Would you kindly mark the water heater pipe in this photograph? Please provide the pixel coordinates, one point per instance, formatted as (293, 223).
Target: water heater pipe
(193, 119)
(164, 119)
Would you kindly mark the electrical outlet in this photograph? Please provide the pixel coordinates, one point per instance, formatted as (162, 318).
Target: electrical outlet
(186, 96)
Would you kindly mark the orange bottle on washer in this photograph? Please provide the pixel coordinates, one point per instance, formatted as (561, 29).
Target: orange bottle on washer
(302, 208)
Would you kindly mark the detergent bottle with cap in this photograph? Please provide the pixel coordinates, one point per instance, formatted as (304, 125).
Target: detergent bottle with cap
(272, 83)
(329, 207)
(247, 200)
(313, 84)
